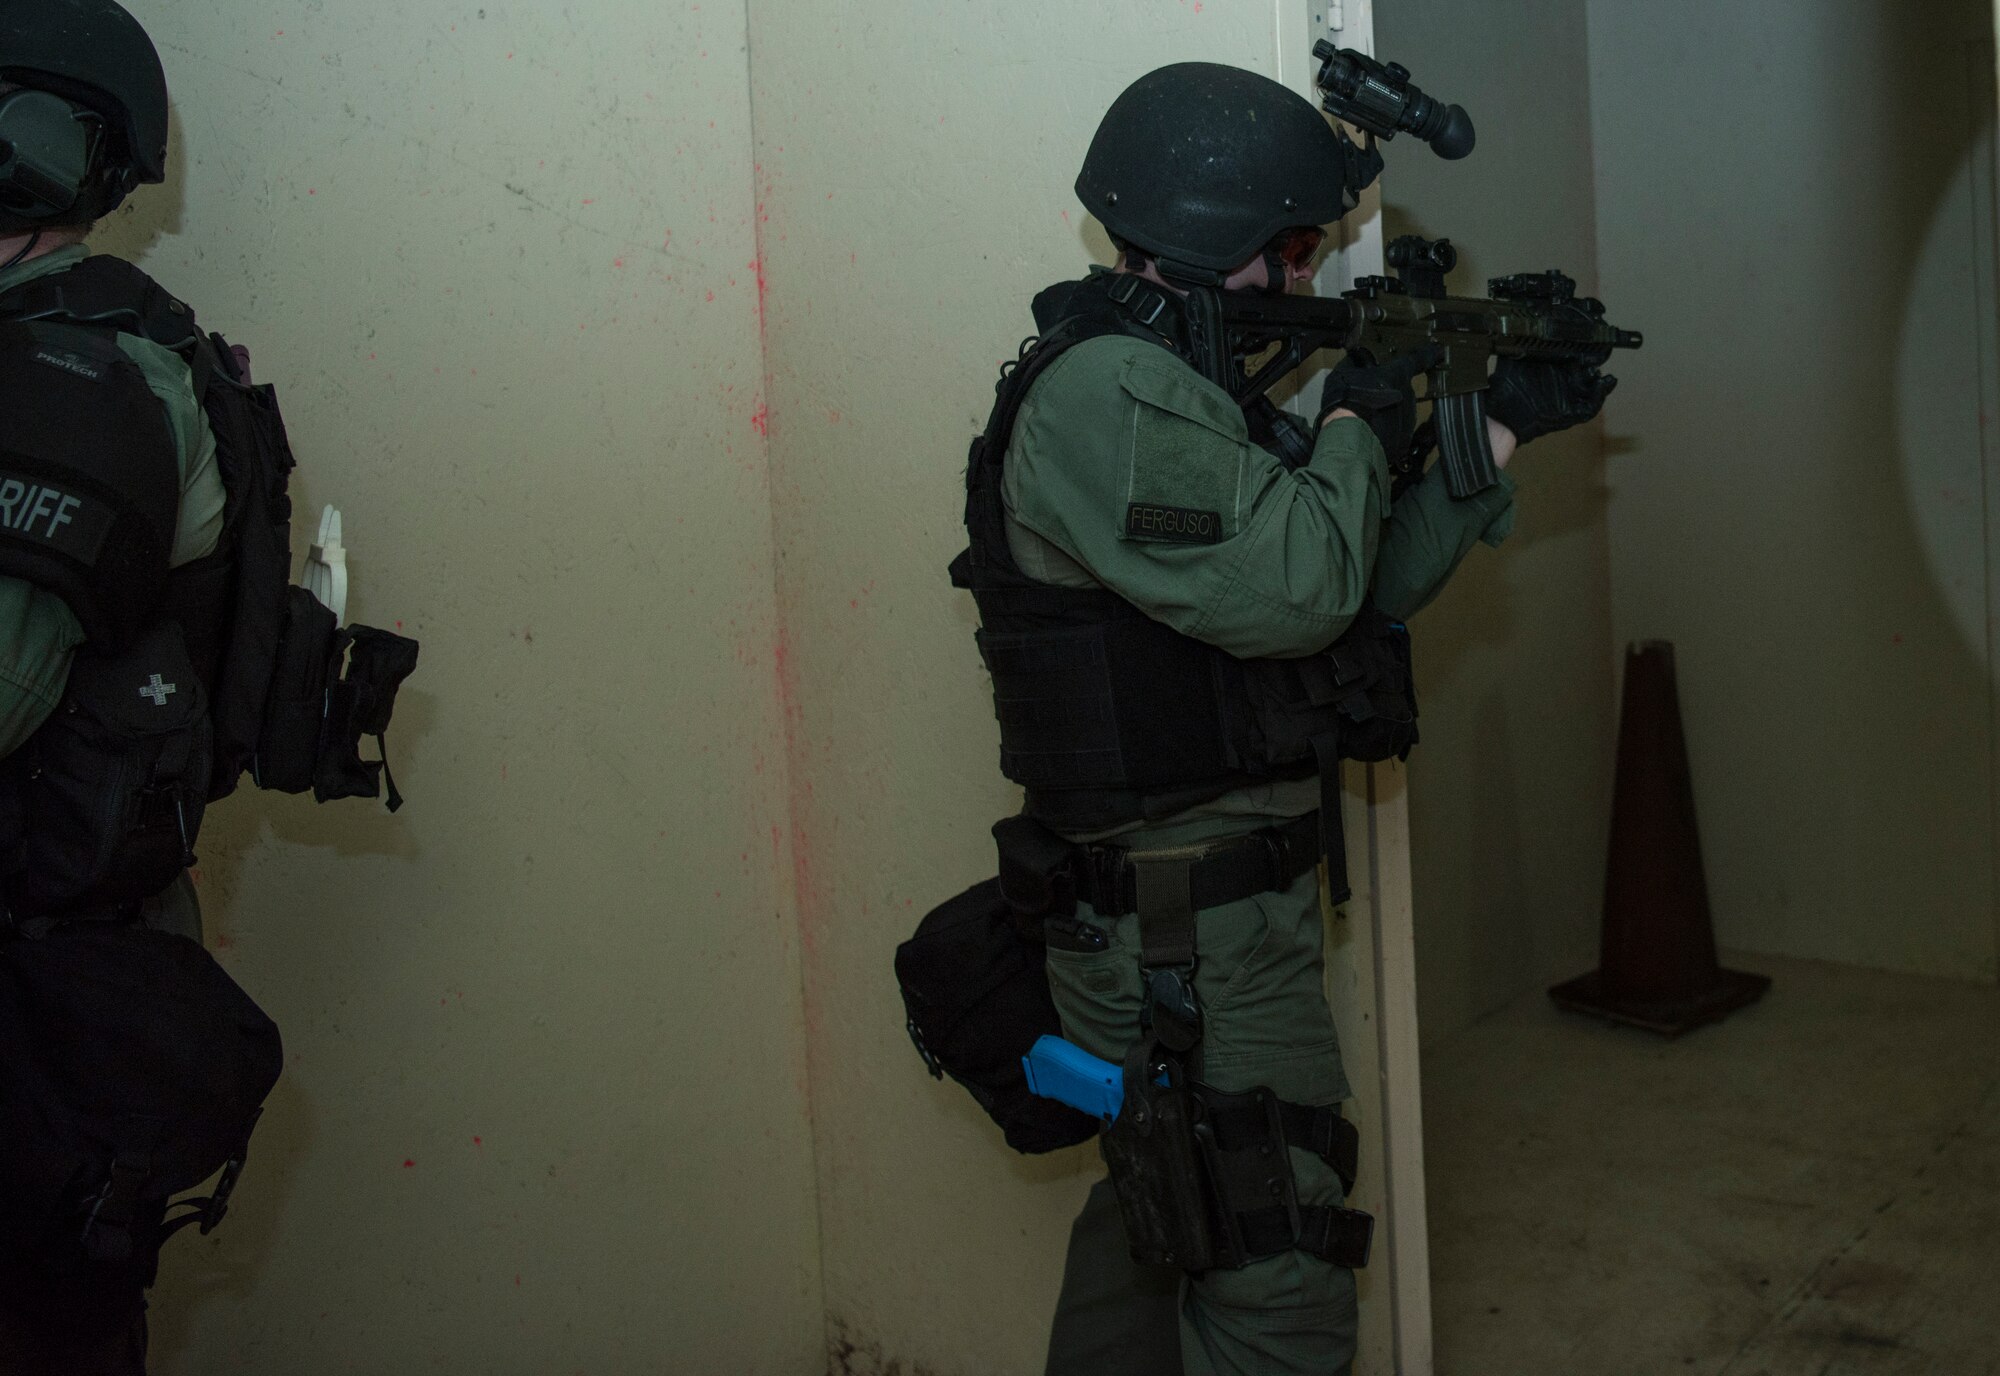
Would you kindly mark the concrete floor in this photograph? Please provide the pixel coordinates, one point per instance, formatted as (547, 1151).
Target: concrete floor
(1811, 1188)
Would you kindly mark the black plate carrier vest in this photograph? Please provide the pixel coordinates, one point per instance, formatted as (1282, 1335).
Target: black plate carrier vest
(1108, 716)
(188, 676)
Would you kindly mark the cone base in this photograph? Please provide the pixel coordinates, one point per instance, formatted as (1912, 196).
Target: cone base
(1733, 989)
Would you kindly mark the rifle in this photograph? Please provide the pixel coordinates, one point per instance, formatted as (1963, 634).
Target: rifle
(1529, 315)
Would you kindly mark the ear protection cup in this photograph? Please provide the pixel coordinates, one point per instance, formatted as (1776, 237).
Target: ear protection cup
(46, 149)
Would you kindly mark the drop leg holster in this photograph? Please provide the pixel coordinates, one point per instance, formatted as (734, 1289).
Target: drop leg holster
(1204, 1176)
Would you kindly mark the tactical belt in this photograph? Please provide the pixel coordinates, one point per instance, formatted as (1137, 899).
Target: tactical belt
(1265, 861)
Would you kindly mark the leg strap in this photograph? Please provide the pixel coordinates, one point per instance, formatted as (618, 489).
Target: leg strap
(1240, 1125)
(1246, 1140)
(1343, 1236)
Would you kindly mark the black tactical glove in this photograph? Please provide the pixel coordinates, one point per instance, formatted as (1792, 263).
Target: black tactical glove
(1380, 393)
(1536, 397)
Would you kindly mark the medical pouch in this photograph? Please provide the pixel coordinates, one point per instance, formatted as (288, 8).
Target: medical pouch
(977, 998)
(115, 782)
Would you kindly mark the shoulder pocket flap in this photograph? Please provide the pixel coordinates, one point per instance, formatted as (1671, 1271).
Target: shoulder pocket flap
(1186, 395)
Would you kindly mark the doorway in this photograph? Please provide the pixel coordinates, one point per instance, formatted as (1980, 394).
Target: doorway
(1796, 484)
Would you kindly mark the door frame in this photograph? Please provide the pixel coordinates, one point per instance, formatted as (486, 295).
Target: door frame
(1371, 939)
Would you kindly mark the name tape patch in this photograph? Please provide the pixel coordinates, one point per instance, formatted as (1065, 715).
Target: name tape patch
(73, 524)
(1179, 524)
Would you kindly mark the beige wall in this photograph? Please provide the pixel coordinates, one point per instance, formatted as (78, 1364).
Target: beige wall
(544, 1105)
(1797, 497)
(1509, 789)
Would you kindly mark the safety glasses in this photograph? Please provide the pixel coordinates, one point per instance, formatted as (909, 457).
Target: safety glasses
(1296, 247)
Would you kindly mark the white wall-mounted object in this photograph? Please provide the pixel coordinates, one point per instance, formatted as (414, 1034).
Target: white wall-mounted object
(325, 575)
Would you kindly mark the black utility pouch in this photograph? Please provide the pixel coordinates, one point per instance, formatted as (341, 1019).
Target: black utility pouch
(1035, 874)
(295, 710)
(977, 996)
(1156, 1169)
(330, 688)
(132, 1068)
(117, 781)
(360, 704)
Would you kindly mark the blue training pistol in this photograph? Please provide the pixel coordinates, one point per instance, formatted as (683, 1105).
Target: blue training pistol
(1065, 1072)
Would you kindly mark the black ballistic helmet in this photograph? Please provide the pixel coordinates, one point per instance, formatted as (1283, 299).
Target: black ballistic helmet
(1200, 165)
(95, 55)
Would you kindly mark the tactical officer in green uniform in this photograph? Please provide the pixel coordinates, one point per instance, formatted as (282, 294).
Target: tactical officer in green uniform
(152, 650)
(83, 121)
(88, 73)
(1191, 609)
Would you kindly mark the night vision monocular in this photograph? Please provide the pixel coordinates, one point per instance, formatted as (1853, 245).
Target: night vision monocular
(1380, 99)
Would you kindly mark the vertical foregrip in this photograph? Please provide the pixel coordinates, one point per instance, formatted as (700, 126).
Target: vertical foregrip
(1466, 449)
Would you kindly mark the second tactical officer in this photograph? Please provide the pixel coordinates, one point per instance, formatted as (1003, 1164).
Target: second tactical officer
(1191, 610)
(151, 652)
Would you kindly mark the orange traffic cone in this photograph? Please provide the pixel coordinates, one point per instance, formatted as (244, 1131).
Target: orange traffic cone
(1657, 967)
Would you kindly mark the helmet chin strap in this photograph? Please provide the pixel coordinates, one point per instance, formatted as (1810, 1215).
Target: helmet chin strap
(25, 250)
(1277, 277)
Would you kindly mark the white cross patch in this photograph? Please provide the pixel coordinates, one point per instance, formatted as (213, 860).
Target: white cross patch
(158, 691)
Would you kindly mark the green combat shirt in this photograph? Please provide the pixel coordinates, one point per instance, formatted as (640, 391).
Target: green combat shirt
(38, 632)
(1129, 470)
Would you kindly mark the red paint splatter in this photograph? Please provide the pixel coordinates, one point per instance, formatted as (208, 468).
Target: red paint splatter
(517, 1280)
(617, 262)
(312, 191)
(224, 941)
(1896, 639)
(409, 1162)
(399, 625)
(711, 296)
(478, 1141)
(760, 419)
(756, 266)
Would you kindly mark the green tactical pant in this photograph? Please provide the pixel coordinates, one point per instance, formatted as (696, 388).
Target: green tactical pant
(1259, 977)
